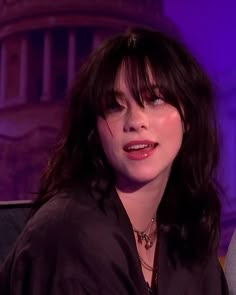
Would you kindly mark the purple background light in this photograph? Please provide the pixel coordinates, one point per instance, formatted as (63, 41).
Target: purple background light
(34, 75)
(209, 29)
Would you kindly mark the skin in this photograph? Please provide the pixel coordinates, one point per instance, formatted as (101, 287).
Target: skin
(141, 183)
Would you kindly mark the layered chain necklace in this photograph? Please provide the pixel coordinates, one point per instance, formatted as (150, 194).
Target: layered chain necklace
(147, 237)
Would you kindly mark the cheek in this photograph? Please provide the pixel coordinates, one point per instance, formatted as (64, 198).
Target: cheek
(171, 127)
(103, 131)
(109, 137)
(108, 130)
(109, 142)
(176, 123)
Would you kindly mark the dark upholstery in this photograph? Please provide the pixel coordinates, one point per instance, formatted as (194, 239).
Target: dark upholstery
(13, 216)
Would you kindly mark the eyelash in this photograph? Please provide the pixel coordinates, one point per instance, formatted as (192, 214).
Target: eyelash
(116, 107)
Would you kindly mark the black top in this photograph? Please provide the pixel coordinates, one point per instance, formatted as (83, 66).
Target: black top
(75, 244)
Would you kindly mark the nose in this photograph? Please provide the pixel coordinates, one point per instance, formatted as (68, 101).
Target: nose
(136, 119)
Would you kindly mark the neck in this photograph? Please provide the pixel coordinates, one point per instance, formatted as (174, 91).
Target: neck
(141, 201)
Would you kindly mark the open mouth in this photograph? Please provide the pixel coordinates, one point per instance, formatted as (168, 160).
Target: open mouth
(140, 147)
(139, 150)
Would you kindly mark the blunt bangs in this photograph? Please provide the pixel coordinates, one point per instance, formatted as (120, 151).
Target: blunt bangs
(147, 63)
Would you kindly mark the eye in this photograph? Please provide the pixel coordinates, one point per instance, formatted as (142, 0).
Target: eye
(154, 100)
(114, 108)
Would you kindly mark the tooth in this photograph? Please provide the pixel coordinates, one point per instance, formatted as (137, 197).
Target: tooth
(139, 146)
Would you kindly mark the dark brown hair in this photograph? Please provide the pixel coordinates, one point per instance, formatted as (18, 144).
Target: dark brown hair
(190, 209)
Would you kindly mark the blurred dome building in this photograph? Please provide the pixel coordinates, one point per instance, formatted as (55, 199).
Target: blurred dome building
(42, 44)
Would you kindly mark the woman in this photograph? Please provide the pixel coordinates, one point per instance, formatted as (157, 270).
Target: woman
(230, 265)
(128, 203)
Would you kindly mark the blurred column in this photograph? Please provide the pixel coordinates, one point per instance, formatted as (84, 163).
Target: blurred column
(47, 66)
(71, 56)
(3, 74)
(97, 39)
(24, 69)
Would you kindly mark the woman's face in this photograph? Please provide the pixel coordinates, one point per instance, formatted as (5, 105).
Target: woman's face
(140, 143)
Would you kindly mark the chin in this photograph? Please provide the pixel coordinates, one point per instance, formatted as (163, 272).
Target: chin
(149, 175)
(142, 178)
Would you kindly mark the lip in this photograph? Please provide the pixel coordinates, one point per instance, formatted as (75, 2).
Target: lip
(142, 153)
(134, 142)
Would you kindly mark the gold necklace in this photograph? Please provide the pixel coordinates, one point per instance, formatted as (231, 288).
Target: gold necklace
(154, 269)
(145, 235)
(146, 265)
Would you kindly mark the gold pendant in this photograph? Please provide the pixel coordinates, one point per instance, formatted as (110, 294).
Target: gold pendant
(149, 244)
